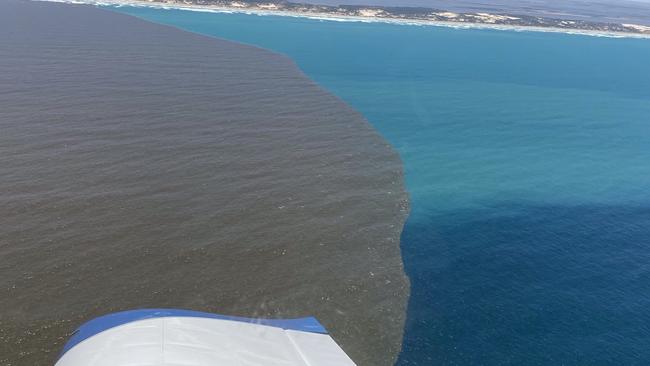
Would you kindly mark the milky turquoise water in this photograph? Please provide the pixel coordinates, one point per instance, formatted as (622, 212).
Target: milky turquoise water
(527, 160)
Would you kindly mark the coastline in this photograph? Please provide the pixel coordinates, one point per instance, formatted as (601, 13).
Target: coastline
(356, 18)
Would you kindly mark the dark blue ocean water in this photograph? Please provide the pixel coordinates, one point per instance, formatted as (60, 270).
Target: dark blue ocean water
(527, 158)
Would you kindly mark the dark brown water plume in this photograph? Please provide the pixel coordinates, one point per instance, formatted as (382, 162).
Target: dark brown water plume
(144, 166)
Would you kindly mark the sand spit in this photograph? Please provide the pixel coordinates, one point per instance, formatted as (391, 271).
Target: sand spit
(373, 14)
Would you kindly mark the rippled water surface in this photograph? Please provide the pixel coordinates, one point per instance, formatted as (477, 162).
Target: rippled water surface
(144, 166)
(526, 159)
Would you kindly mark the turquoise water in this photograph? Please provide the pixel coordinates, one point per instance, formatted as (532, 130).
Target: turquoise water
(527, 161)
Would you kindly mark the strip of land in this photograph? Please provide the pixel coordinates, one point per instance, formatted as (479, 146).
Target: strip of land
(409, 15)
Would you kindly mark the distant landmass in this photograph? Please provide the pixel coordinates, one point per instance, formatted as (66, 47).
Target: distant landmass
(413, 14)
(602, 11)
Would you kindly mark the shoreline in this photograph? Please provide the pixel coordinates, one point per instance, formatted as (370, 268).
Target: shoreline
(355, 18)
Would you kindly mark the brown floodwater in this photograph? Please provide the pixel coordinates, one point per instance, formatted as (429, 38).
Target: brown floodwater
(145, 166)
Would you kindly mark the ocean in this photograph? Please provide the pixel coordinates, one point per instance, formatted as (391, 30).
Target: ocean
(146, 167)
(526, 161)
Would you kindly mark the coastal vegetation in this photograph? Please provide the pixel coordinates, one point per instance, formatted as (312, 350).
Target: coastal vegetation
(409, 14)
